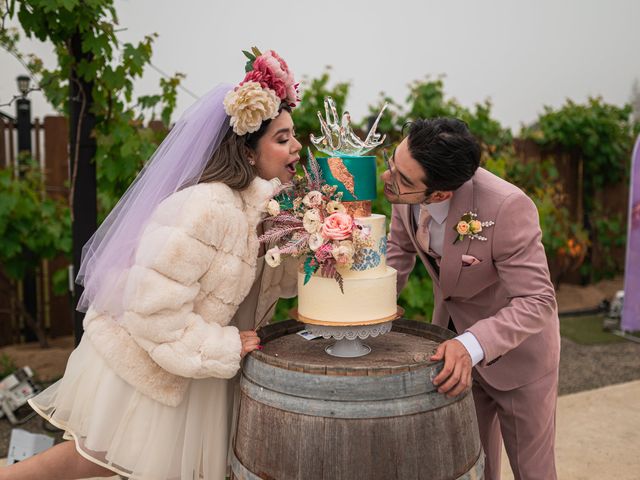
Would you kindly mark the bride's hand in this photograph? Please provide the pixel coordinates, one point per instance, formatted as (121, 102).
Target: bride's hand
(250, 342)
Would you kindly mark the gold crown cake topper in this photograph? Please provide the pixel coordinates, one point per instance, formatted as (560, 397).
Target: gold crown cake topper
(338, 137)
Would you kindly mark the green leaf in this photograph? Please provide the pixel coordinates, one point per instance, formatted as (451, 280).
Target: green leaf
(310, 267)
(250, 56)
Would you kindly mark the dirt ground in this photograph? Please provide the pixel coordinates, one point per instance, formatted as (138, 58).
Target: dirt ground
(577, 297)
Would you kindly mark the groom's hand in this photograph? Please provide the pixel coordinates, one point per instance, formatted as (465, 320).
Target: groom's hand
(455, 376)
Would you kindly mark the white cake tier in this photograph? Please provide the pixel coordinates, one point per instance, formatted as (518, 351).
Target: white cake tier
(365, 300)
(373, 263)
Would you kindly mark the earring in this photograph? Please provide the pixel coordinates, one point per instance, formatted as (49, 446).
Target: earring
(252, 162)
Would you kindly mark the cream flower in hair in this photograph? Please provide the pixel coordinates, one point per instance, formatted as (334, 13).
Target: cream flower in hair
(249, 105)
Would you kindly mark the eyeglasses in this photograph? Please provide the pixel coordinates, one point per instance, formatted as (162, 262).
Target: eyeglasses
(394, 184)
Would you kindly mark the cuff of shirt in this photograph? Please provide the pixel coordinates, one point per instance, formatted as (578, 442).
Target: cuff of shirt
(472, 345)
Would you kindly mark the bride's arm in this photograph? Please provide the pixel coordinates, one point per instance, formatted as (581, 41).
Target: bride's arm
(162, 288)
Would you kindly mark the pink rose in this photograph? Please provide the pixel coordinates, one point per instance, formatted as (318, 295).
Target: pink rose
(281, 70)
(337, 226)
(283, 65)
(275, 66)
(267, 79)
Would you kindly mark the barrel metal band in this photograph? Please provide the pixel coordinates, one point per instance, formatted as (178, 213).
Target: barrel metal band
(240, 471)
(346, 409)
(476, 472)
(342, 387)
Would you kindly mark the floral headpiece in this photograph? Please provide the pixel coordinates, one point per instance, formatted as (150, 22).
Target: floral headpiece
(267, 84)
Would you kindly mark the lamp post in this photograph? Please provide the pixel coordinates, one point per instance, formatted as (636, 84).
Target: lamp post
(23, 116)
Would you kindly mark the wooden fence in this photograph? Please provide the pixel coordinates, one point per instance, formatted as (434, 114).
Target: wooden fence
(50, 140)
(614, 198)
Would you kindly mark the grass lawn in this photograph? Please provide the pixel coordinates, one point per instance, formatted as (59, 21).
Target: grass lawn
(587, 330)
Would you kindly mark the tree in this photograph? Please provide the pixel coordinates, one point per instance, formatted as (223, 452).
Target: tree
(92, 83)
(32, 228)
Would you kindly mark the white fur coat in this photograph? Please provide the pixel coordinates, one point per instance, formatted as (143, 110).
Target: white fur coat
(195, 263)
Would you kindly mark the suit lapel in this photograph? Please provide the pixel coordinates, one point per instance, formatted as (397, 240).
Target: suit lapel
(451, 263)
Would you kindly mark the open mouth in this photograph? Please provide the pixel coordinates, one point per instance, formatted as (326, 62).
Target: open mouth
(291, 167)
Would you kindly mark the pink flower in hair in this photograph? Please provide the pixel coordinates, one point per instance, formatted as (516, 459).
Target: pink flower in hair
(266, 77)
(281, 70)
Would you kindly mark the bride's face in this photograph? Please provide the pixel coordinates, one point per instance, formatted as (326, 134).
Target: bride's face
(277, 151)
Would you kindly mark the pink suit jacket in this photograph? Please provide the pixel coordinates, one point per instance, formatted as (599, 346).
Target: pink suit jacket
(507, 300)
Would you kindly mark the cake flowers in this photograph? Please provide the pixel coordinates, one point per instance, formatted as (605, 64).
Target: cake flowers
(307, 220)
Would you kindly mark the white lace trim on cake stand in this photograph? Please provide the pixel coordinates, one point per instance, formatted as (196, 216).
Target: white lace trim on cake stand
(350, 332)
(349, 344)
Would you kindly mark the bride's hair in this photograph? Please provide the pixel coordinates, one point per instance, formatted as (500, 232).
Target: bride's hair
(229, 164)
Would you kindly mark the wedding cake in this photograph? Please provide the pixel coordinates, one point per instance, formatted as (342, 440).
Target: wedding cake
(324, 220)
(368, 293)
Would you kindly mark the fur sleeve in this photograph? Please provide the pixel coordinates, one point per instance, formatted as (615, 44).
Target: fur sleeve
(179, 245)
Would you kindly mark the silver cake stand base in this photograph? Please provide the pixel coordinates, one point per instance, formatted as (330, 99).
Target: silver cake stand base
(349, 344)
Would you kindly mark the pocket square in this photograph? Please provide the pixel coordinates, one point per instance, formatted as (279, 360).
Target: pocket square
(468, 260)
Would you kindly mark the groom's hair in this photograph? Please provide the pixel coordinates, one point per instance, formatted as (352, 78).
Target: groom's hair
(446, 150)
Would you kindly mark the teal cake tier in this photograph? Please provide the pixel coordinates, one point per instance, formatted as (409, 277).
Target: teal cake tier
(354, 176)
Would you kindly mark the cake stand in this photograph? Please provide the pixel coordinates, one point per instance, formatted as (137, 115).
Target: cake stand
(349, 337)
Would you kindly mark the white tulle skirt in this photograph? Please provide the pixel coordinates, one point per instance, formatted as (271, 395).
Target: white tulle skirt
(117, 427)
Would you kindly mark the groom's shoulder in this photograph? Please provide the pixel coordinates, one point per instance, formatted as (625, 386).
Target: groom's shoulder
(489, 185)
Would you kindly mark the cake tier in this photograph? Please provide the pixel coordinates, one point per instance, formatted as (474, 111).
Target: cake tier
(354, 176)
(373, 261)
(365, 300)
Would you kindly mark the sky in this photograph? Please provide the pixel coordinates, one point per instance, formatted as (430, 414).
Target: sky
(520, 54)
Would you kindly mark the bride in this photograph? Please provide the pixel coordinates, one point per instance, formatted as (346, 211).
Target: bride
(174, 287)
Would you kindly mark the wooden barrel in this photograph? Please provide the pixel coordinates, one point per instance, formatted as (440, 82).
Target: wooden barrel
(305, 415)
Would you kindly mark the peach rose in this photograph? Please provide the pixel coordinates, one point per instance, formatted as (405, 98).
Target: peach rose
(476, 226)
(337, 226)
(462, 228)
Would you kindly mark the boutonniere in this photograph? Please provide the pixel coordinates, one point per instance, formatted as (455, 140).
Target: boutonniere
(470, 226)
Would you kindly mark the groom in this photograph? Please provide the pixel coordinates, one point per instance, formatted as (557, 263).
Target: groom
(492, 288)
